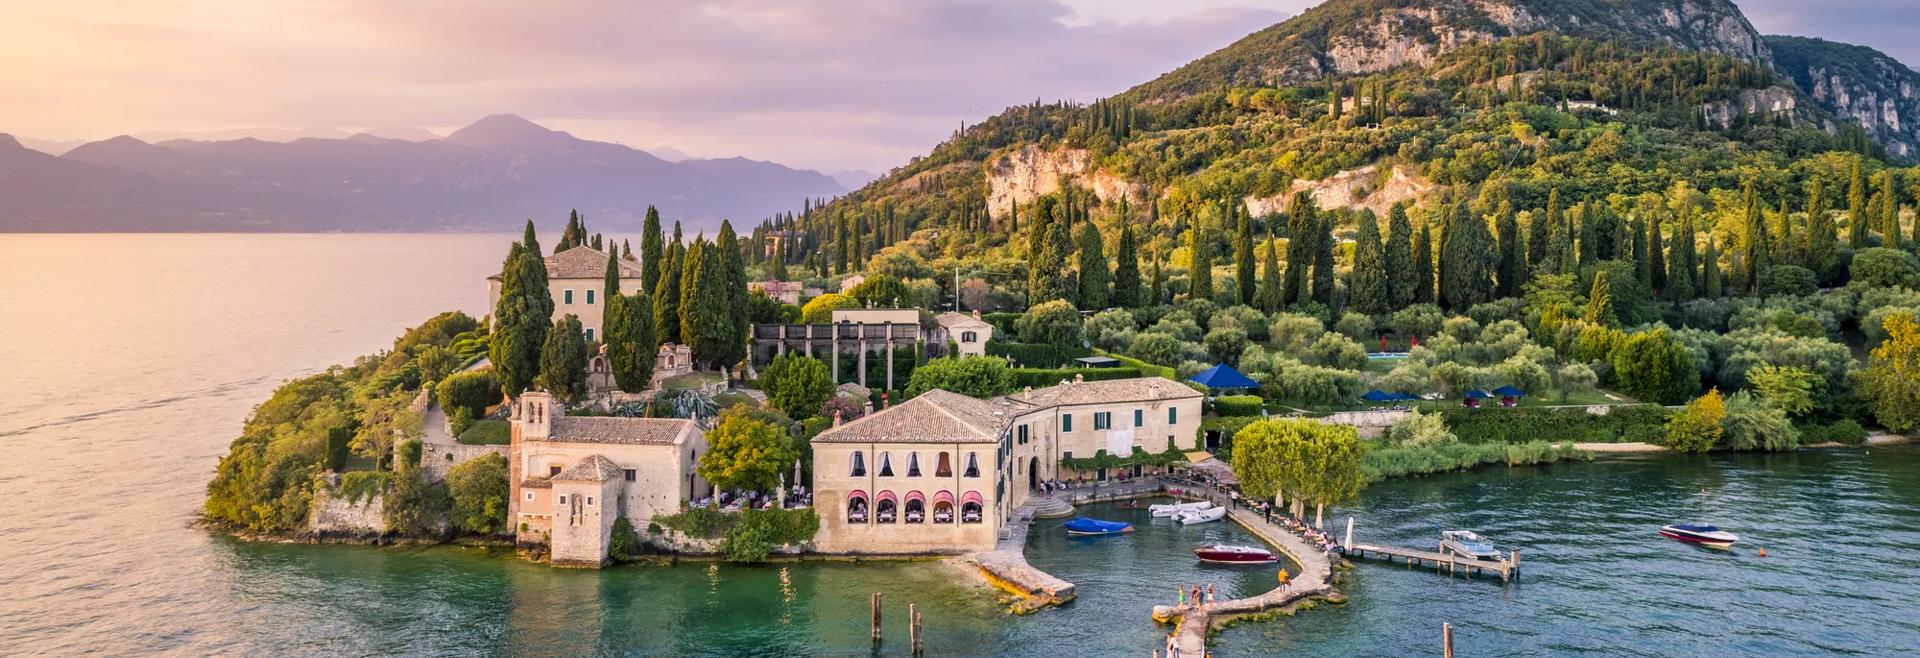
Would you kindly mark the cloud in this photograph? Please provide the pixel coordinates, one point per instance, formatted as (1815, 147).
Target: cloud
(819, 83)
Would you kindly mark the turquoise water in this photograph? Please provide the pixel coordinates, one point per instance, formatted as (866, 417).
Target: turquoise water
(130, 361)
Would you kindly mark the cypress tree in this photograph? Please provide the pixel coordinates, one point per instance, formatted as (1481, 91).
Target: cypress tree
(570, 234)
(1043, 262)
(1301, 231)
(1200, 274)
(1710, 275)
(1600, 301)
(626, 250)
(1857, 209)
(1272, 293)
(521, 315)
(1565, 260)
(1367, 289)
(1244, 274)
(599, 242)
(1540, 229)
(1423, 266)
(1323, 262)
(706, 325)
(1682, 271)
(1466, 272)
(666, 297)
(733, 293)
(1889, 210)
(1126, 268)
(1158, 294)
(1753, 255)
(1656, 256)
(1510, 268)
(1398, 260)
(1093, 269)
(1782, 242)
(632, 347)
(1642, 269)
(563, 360)
(651, 251)
(1823, 236)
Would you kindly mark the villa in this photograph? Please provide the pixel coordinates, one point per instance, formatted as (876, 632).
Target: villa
(942, 472)
(571, 477)
(968, 333)
(577, 278)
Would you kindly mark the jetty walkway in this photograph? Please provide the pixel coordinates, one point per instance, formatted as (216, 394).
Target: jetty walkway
(1313, 580)
(1006, 565)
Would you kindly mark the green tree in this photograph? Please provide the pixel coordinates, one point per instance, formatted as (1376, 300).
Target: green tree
(414, 507)
(521, 315)
(1053, 323)
(666, 293)
(1093, 269)
(733, 267)
(1888, 381)
(706, 324)
(1304, 460)
(1711, 284)
(745, 453)
(1243, 267)
(1398, 261)
(632, 348)
(1466, 272)
(797, 385)
(1127, 292)
(1200, 274)
(1600, 302)
(974, 376)
(1540, 231)
(1696, 427)
(819, 310)
(1754, 255)
(1510, 264)
(1272, 293)
(1302, 230)
(1048, 245)
(563, 360)
(1823, 237)
(1857, 211)
(1367, 289)
(1323, 268)
(1423, 267)
(651, 251)
(1653, 366)
(1754, 425)
(1889, 209)
(1788, 388)
(1681, 267)
(570, 237)
(478, 489)
(1655, 257)
(385, 421)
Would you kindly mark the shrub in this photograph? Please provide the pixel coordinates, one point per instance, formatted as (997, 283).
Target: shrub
(1652, 366)
(1381, 463)
(1845, 432)
(1622, 424)
(1053, 323)
(819, 310)
(1788, 280)
(478, 488)
(471, 391)
(1238, 405)
(417, 508)
(976, 376)
(624, 544)
(1697, 427)
(1164, 349)
(1037, 355)
(1880, 267)
(410, 450)
(1020, 378)
(487, 433)
(1420, 429)
(797, 384)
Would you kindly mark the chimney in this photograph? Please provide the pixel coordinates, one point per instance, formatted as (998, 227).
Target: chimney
(1079, 377)
(976, 314)
(836, 418)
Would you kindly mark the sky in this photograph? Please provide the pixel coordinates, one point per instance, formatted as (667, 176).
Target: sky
(823, 84)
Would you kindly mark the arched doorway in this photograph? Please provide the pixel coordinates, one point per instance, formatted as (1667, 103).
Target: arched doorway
(1033, 474)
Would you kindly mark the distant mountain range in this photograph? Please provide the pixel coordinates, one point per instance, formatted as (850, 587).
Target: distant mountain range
(491, 175)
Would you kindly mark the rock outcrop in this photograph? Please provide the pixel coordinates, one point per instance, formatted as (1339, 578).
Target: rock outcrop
(1364, 187)
(1029, 172)
(1857, 84)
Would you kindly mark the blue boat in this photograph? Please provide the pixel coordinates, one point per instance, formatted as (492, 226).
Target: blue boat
(1081, 525)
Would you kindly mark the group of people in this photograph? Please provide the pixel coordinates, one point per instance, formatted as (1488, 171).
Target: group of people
(1311, 534)
(733, 500)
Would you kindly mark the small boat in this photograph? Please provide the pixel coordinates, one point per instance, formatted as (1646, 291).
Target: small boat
(1465, 542)
(1699, 533)
(1081, 525)
(1224, 554)
(1201, 515)
(1174, 509)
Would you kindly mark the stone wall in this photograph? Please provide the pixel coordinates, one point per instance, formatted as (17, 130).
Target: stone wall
(438, 458)
(339, 517)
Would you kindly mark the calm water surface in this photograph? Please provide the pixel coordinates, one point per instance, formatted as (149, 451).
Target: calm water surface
(128, 361)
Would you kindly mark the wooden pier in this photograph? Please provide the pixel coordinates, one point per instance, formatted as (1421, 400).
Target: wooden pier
(1445, 563)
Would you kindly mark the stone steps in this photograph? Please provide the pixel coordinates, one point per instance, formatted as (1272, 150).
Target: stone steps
(1051, 508)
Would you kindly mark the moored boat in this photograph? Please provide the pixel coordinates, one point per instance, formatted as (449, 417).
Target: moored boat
(1225, 554)
(1202, 515)
(1699, 533)
(1081, 525)
(1467, 543)
(1174, 509)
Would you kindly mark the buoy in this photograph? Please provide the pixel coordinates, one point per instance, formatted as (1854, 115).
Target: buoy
(1763, 552)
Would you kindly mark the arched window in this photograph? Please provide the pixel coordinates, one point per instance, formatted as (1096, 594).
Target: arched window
(943, 467)
(972, 508)
(916, 507)
(886, 465)
(885, 507)
(973, 465)
(943, 507)
(913, 464)
(859, 468)
(857, 506)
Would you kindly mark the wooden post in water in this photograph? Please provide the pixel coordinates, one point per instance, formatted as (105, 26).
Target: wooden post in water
(1446, 640)
(914, 640)
(875, 602)
(1349, 542)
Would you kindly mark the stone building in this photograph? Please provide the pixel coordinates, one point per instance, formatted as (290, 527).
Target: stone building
(863, 332)
(967, 334)
(941, 473)
(785, 292)
(577, 278)
(571, 477)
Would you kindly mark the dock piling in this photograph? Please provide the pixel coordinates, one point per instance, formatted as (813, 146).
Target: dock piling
(1446, 640)
(874, 601)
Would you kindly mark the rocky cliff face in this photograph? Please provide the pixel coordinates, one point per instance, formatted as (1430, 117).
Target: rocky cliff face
(1772, 101)
(1343, 37)
(1857, 84)
(1029, 172)
(1366, 187)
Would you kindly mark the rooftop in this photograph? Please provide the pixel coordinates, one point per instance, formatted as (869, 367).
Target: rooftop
(936, 416)
(584, 262)
(617, 430)
(1142, 389)
(594, 468)
(951, 320)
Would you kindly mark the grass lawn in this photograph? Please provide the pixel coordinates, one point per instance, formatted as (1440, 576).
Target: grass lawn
(731, 398)
(1381, 366)
(486, 433)
(691, 380)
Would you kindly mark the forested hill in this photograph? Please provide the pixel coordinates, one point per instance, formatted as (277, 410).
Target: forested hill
(1368, 104)
(1857, 84)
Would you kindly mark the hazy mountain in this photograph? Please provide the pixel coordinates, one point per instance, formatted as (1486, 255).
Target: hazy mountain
(853, 178)
(668, 153)
(490, 175)
(1857, 84)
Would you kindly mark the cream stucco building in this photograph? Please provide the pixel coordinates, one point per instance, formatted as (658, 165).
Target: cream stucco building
(577, 278)
(571, 476)
(942, 472)
(967, 332)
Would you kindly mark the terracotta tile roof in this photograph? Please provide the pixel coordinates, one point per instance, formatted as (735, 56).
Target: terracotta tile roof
(1142, 389)
(935, 417)
(618, 430)
(536, 483)
(585, 262)
(594, 468)
(953, 320)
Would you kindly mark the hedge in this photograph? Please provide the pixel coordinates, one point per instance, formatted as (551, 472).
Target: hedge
(1380, 463)
(1624, 424)
(487, 433)
(1146, 369)
(1002, 323)
(1103, 459)
(1238, 405)
(1036, 355)
(1044, 377)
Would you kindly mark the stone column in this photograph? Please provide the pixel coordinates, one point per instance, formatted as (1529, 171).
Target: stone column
(863, 355)
(833, 344)
(808, 346)
(889, 357)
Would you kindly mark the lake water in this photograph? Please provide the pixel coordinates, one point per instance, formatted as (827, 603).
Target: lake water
(130, 360)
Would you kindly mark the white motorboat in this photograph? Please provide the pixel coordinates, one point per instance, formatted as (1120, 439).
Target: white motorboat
(1467, 543)
(1174, 509)
(1700, 533)
(1203, 515)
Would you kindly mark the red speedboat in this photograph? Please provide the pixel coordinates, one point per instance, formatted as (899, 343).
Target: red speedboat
(1234, 554)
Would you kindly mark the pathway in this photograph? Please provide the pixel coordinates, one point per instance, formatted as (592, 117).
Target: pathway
(1006, 566)
(1312, 581)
